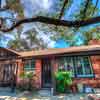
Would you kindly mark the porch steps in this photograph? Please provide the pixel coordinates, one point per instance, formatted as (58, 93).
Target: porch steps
(5, 89)
(45, 92)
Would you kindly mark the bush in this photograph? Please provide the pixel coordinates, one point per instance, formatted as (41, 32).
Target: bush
(63, 81)
(26, 82)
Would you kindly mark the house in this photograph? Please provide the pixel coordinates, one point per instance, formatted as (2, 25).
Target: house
(84, 62)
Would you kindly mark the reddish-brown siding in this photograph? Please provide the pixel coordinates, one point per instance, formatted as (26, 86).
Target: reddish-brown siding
(38, 66)
(96, 63)
(20, 70)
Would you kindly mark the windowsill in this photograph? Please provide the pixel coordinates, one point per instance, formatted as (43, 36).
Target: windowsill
(29, 69)
(85, 76)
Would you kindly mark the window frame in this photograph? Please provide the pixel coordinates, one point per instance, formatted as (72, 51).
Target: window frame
(31, 63)
(85, 75)
(74, 67)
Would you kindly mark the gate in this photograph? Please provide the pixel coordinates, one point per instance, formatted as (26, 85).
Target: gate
(8, 74)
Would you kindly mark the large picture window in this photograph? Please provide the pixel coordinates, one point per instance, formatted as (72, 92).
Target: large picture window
(29, 65)
(80, 66)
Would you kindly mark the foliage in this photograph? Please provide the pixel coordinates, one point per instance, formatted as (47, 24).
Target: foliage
(92, 33)
(28, 75)
(63, 80)
(28, 42)
(15, 5)
(89, 11)
(26, 83)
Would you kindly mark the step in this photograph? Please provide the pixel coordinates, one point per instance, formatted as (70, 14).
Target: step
(45, 92)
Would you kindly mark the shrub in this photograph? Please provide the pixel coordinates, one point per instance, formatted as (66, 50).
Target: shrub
(63, 80)
(26, 83)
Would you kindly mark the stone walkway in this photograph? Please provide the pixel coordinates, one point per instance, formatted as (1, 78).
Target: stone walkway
(40, 95)
(22, 96)
(45, 95)
(5, 94)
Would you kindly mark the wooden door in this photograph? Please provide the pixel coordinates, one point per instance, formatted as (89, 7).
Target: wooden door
(46, 73)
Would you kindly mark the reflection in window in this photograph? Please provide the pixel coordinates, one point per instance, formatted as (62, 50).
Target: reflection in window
(66, 63)
(79, 66)
(87, 65)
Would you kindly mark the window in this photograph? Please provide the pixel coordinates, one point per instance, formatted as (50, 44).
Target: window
(29, 65)
(80, 66)
(66, 63)
(83, 67)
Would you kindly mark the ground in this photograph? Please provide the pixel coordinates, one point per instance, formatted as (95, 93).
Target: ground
(40, 95)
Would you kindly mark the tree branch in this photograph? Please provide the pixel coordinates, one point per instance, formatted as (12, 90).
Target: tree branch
(47, 20)
(95, 6)
(0, 3)
(63, 8)
(85, 8)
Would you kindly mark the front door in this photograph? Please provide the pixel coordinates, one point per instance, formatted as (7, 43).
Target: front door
(46, 73)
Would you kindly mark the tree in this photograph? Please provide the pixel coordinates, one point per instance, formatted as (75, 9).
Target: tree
(18, 43)
(87, 8)
(15, 6)
(34, 41)
(30, 41)
(47, 20)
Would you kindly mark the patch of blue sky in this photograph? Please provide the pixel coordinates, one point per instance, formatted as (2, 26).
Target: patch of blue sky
(79, 39)
(74, 8)
(60, 43)
(94, 2)
(3, 41)
(34, 7)
(5, 14)
(9, 37)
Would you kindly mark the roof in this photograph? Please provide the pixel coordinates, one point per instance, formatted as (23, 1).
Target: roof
(56, 51)
(10, 50)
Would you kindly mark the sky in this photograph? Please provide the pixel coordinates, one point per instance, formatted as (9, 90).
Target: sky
(30, 9)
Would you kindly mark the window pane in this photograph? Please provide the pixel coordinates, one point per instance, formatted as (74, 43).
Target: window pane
(69, 64)
(66, 63)
(87, 66)
(83, 66)
(29, 65)
(79, 66)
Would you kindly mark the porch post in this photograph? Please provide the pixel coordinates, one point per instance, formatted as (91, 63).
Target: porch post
(38, 72)
(53, 70)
